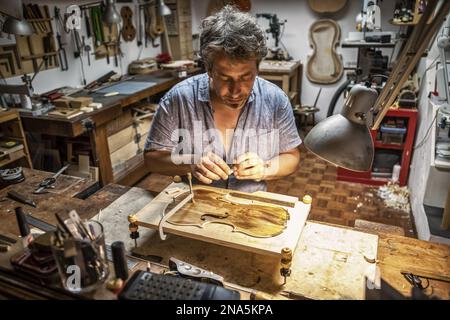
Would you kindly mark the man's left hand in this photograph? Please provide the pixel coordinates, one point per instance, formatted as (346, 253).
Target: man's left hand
(249, 166)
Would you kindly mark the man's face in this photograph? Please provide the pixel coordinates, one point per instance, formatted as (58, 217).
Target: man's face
(232, 80)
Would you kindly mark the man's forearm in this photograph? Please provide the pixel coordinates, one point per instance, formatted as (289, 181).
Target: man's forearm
(282, 165)
(161, 162)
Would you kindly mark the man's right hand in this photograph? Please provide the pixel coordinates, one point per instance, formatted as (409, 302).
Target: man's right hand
(211, 168)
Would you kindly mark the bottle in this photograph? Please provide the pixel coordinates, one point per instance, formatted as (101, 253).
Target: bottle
(396, 173)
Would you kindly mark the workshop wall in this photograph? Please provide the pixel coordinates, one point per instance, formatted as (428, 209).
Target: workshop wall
(299, 17)
(51, 79)
(421, 158)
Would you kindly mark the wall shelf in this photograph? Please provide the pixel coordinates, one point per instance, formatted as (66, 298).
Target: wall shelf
(405, 149)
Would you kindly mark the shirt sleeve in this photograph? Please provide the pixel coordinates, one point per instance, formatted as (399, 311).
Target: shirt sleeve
(164, 123)
(288, 133)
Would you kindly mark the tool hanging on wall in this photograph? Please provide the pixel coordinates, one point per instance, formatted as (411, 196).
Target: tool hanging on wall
(154, 26)
(97, 28)
(128, 30)
(139, 25)
(75, 15)
(62, 56)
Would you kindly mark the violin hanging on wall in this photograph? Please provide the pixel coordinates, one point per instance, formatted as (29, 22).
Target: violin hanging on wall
(327, 6)
(324, 66)
(128, 30)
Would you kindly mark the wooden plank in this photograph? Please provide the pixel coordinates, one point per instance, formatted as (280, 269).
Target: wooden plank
(99, 140)
(397, 254)
(127, 135)
(333, 263)
(120, 157)
(374, 227)
(134, 171)
(150, 216)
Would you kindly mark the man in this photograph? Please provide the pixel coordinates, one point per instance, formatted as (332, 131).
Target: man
(228, 127)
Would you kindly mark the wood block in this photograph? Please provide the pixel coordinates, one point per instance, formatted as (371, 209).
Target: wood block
(63, 102)
(83, 163)
(125, 136)
(80, 102)
(375, 227)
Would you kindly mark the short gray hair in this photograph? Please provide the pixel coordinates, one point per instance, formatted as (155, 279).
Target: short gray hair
(234, 33)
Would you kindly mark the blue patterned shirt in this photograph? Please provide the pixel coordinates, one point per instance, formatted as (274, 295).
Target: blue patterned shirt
(184, 124)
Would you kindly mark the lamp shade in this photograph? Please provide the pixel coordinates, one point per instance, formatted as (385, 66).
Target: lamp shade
(111, 16)
(17, 27)
(345, 139)
(164, 10)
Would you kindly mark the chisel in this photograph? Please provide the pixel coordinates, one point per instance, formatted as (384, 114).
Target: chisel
(18, 197)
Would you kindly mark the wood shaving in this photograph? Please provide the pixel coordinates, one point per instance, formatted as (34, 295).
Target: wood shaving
(395, 197)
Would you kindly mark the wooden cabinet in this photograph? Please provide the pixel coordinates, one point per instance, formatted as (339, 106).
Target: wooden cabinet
(11, 131)
(403, 148)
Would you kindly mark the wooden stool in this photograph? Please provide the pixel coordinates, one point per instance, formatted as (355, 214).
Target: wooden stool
(306, 116)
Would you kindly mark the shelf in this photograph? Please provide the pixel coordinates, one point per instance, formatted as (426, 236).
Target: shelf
(405, 150)
(402, 23)
(380, 145)
(363, 44)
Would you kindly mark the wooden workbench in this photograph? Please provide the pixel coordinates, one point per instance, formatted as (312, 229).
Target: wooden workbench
(113, 107)
(395, 253)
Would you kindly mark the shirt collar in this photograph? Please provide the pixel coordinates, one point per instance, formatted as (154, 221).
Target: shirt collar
(204, 89)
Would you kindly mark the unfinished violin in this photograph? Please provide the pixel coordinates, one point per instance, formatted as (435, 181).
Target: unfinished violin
(245, 216)
(128, 30)
(324, 65)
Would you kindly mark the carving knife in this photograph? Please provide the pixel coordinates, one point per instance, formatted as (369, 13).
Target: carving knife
(18, 197)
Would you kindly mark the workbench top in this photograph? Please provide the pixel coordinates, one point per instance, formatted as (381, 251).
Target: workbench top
(395, 253)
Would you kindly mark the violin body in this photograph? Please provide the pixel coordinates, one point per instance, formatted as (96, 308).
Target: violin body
(256, 220)
(326, 6)
(324, 66)
(128, 30)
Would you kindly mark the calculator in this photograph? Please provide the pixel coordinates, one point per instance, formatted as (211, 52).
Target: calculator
(144, 285)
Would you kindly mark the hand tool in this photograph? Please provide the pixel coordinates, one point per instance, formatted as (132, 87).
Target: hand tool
(88, 23)
(139, 25)
(7, 239)
(190, 271)
(79, 48)
(146, 257)
(88, 49)
(116, 61)
(62, 54)
(119, 260)
(50, 36)
(418, 274)
(24, 228)
(40, 224)
(14, 195)
(293, 295)
(189, 176)
(50, 182)
(47, 49)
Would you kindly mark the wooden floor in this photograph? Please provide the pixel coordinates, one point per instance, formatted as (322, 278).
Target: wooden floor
(333, 201)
